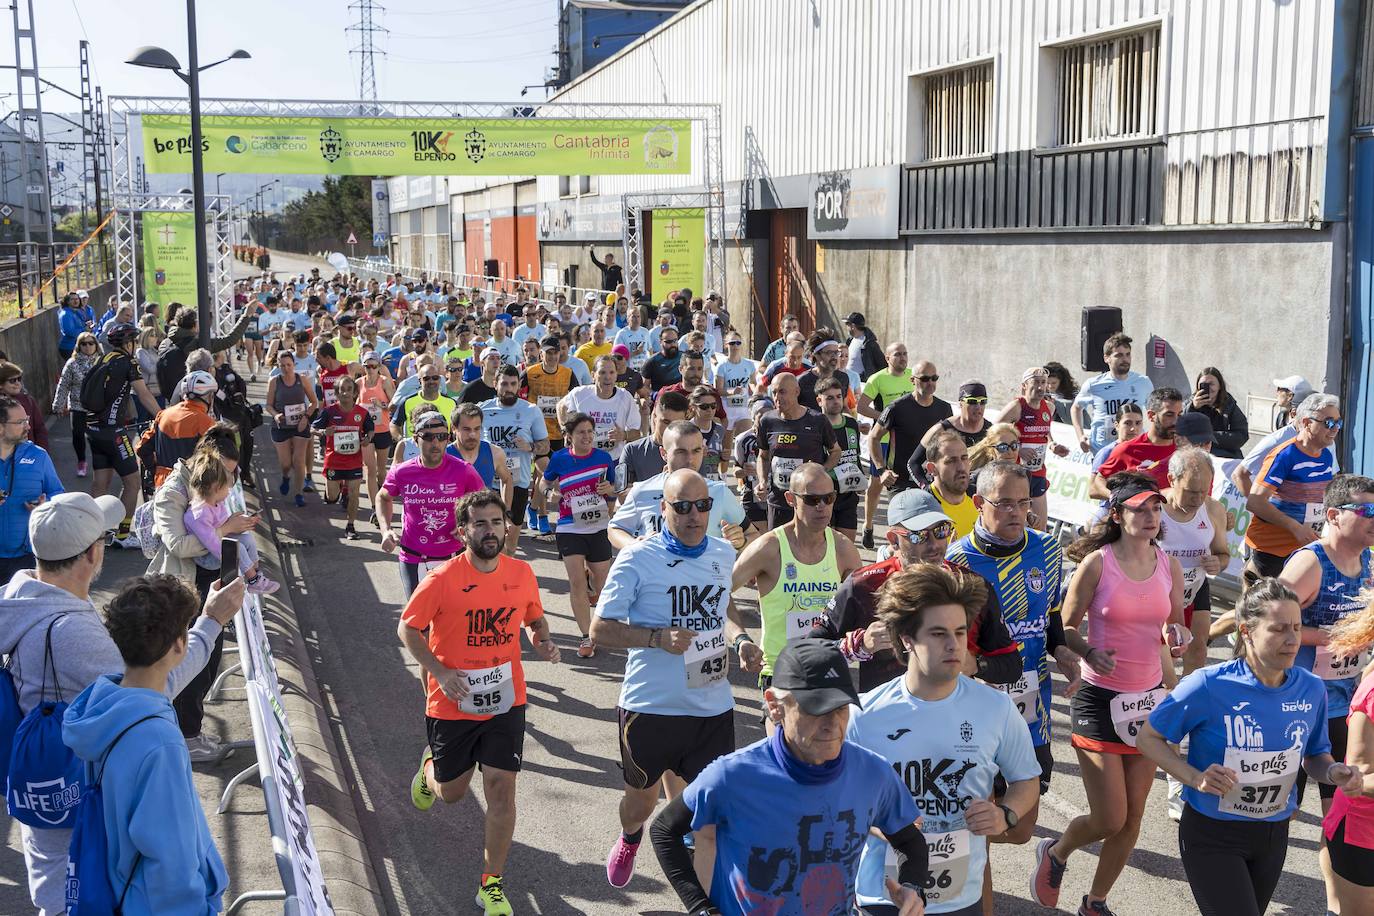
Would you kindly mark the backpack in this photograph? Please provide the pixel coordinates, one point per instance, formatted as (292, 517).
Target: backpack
(171, 369)
(89, 892)
(146, 530)
(45, 776)
(873, 356)
(95, 394)
(10, 717)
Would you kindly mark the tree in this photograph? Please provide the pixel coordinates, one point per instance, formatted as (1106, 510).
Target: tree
(321, 220)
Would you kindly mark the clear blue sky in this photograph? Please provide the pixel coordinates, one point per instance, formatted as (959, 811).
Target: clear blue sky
(459, 50)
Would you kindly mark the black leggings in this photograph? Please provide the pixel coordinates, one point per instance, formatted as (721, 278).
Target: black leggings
(79, 434)
(1232, 866)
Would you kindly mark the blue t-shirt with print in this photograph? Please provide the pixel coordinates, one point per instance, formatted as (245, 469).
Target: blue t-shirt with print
(502, 425)
(1104, 395)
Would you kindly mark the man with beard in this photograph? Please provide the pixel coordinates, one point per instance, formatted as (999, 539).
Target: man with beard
(518, 428)
(463, 627)
(664, 367)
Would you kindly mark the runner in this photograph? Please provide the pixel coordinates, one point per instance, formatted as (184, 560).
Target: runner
(881, 389)
(797, 566)
(848, 474)
(429, 397)
(1149, 452)
(581, 478)
(1106, 393)
(788, 438)
(664, 368)
(804, 773)
(1032, 413)
(907, 418)
(292, 403)
(667, 600)
(1194, 534)
(487, 459)
(344, 427)
(483, 388)
(1127, 591)
(375, 390)
(429, 487)
(1330, 578)
(968, 735)
(544, 385)
(947, 469)
(1286, 497)
(1251, 723)
(734, 382)
(641, 509)
(746, 468)
(1347, 826)
(1130, 420)
(970, 423)
(634, 337)
(462, 626)
(112, 446)
(643, 458)
(612, 409)
(919, 533)
(519, 429)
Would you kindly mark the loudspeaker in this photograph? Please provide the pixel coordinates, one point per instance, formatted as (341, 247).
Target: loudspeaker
(491, 267)
(1099, 323)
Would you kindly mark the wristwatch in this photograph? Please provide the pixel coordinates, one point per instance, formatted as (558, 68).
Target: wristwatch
(1012, 819)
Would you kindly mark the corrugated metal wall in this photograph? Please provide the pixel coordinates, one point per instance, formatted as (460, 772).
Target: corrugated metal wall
(824, 85)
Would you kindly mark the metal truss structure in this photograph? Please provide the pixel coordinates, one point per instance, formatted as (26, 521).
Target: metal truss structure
(128, 222)
(127, 187)
(634, 207)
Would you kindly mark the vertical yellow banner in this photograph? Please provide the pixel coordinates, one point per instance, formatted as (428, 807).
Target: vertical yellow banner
(678, 251)
(169, 258)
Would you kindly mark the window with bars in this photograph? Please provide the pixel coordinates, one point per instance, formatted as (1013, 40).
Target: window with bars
(1108, 89)
(958, 113)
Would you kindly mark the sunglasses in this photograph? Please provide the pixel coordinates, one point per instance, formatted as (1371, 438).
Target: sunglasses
(940, 531)
(975, 400)
(927, 378)
(430, 378)
(815, 499)
(1332, 424)
(1363, 510)
(708, 405)
(1005, 447)
(457, 368)
(434, 437)
(734, 343)
(684, 506)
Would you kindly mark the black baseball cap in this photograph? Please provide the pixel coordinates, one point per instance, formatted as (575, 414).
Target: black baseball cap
(348, 318)
(814, 671)
(418, 334)
(550, 343)
(856, 319)
(1195, 427)
(972, 389)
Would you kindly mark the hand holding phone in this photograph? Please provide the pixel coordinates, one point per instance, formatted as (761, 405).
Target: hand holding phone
(228, 561)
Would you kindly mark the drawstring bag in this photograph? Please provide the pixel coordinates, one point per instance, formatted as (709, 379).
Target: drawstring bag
(89, 892)
(10, 717)
(45, 776)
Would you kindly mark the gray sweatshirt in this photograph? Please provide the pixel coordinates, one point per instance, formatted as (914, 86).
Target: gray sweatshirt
(82, 649)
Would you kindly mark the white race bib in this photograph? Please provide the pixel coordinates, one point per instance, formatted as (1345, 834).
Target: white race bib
(850, 478)
(330, 398)
(799, 623)
(1033, 456)
(1265, 778)
(346, 442)
(588, 508)
(1025, 693)
(1331, 667)
(949, 861)
(782, 471)
(1130, 710)
(548, 406)
(604, 440)
(374, 410)
(293, 412)
(1192, 581)
(736, 401)
(512, 461)
(1314, 516)
(491, 691)
(707, 660)
(428, 566)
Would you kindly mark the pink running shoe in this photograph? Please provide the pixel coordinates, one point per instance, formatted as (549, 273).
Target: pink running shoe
(81, 469)
(261, 585)
(620, 864)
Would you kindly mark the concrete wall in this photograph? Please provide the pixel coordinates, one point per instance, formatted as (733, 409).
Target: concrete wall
(860, 276)
(31, 344)
(1257, 304)
(564, 254)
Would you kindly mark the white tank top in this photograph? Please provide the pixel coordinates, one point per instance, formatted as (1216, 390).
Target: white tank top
(1188, 541)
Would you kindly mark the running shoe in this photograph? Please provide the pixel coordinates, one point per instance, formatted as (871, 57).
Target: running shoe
(544, 525)
(587, 649)
(1048, 875)
(126, 541)
(261, 585)
(868, 539)
(492, 898)
(285, 486)
(253, 377)
(300, 501)
(81, 469)
(350, 533)
(620, 864)
(1175, 800)
(1096, 908)
(532, 518)
(420, 794)
(308, 486)
(247, 480)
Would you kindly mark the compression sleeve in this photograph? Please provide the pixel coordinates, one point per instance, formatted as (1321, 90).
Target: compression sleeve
(912, 855)
(667, 832)
(1054, 634)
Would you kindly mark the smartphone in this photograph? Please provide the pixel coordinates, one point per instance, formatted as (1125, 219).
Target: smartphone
(228, 560)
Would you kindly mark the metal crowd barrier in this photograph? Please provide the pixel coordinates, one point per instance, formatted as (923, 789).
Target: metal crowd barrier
(489, 286)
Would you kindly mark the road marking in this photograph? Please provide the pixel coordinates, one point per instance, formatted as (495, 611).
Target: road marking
(1061, 805)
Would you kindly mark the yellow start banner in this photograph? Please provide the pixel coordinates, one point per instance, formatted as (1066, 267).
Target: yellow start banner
(419, 146)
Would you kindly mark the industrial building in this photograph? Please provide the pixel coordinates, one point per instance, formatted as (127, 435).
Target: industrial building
(972, 175)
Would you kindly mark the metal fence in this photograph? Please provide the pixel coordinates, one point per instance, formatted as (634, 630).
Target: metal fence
(36, 275)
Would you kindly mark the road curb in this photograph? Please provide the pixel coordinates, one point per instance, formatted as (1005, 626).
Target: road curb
(330, 798)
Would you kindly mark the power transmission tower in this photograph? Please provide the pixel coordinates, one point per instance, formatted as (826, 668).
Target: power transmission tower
(33, 166)
(368, 30)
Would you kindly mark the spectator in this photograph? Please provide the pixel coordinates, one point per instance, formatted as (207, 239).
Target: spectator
(231, 405)
(1062, 389)
(30, 478)
(12, 385)
(71, 323)
(865, 355)
(161, 857)
(66, 400)
(176, 552)
(123, 314)
(210, 485)
(1289, 393)
(178, 429)
(149, 339)
(611, 274)
(1230, 429)
(53, 600)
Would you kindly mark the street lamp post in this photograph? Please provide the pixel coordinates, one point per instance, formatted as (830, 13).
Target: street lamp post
(160, 59)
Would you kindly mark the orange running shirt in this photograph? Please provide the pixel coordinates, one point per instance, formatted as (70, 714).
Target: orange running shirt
(474, 622)
(544, 390)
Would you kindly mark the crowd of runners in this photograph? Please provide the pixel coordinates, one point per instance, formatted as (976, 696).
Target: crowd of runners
(714, 511)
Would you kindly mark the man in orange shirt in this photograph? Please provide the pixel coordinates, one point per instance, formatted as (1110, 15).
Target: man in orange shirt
(474, 607)
(177, 429)
(544, 385)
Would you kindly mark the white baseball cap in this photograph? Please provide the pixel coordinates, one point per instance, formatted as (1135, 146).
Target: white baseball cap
(69, 523)
(591, 296)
